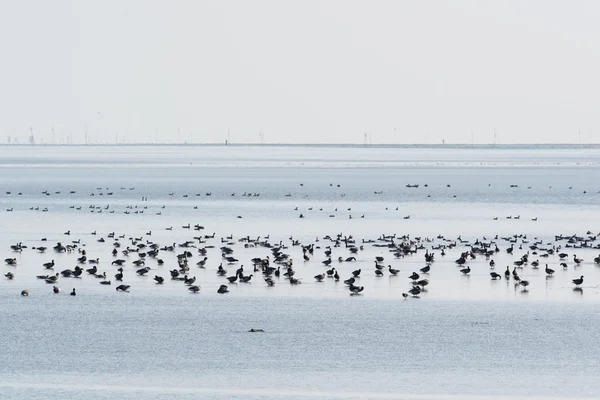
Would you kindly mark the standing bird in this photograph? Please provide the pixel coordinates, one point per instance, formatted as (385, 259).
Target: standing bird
(466, 270)
(56, 289)
(393, 271)
(549, 271)
(222, 289)
(73, 293)
(579, 281)
(495, 275)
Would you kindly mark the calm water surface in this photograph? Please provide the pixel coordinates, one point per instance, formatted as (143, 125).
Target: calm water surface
(467, 337)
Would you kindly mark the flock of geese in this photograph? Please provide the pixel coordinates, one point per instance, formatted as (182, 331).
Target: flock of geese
(127, 258)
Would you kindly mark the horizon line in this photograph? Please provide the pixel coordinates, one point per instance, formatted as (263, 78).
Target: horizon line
(347, 145)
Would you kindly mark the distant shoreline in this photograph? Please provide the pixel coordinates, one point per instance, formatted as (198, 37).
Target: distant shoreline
(557, 146)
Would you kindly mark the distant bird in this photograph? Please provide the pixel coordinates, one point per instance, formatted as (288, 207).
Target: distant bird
(393, 271)
(426, 269)
(466, 271)
(56, 289)
(9, 275)
(549, 271)
(579, 281)
(495, 275)
(320, 277)
(524, 283)
(123, 288)
(25, 292)
(159, 279)
(222, 289)
(194, 289)
(577, 260)
(423, 283)
(354, 290)
(414, 276)
(73, 293)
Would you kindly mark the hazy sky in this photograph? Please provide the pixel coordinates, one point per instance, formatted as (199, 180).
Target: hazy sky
(403, 71)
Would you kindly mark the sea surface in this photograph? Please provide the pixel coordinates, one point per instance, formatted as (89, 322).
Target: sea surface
(465, 337)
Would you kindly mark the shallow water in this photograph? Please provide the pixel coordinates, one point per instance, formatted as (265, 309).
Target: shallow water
(466, 337)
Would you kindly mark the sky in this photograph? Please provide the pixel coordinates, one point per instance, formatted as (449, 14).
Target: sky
(405, 71)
